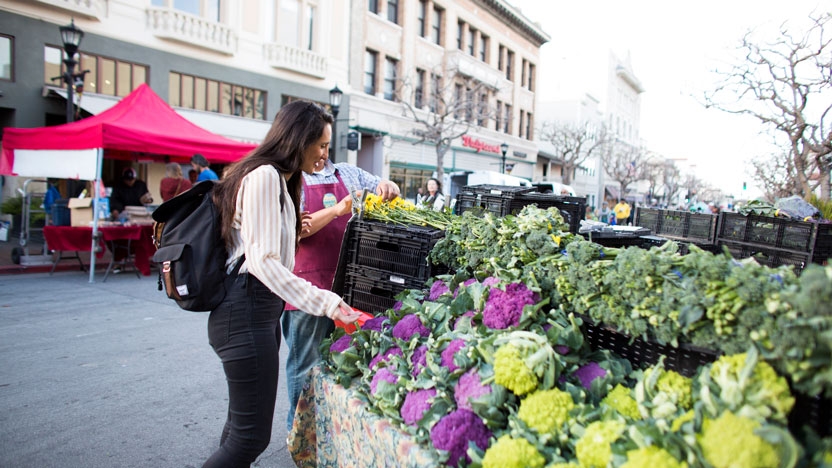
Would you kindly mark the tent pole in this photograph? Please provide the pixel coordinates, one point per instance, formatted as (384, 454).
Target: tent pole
(96, 189)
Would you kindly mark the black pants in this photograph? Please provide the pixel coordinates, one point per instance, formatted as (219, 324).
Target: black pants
(245, 333)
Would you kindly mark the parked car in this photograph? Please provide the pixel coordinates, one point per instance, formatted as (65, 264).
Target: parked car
(554, 187)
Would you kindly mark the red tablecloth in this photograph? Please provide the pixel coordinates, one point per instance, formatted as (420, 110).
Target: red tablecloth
(72, 238)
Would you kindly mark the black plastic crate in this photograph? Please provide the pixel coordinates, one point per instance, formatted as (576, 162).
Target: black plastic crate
(649, 218)
(812, 411)
(767, 256)
(572, 209)
(488, 189)
(685, 359)
(687, 226)
(373, 290)
(496, 204)
(823, 244)
(617, 238)
(768, 231)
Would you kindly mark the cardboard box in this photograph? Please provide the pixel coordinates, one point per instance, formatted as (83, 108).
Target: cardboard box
(80, 211)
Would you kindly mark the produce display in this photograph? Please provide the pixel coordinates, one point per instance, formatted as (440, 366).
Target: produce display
(490, 366)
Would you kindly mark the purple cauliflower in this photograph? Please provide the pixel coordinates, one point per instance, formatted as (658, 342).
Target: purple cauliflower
(455, 430)
(415, 404)
(490, 281)
(437, 289)
(449, 353)
(341, 344)
(470, 313)
(397, 305)
(562, 350)
(589, 372)
(394, 351)
(469, 387)
(383, 374)
(419, 360)
(467, 282)
(408, 325)
(376, 323)
(504, 308)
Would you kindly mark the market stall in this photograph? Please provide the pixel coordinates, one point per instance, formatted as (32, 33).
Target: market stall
(542, 348)
(140, 125)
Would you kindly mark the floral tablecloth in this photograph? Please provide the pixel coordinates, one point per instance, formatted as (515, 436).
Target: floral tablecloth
(333, 428)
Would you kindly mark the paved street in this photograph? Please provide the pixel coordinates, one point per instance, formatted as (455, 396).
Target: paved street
(109, 375)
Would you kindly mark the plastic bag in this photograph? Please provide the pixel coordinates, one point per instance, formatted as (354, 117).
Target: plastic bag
(797, 208)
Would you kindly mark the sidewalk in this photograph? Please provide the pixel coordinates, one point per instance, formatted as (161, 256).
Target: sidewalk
(35, 248)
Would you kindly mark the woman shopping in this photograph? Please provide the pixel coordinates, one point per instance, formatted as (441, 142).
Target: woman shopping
(434, 200)
(173, 183)
(258, 202)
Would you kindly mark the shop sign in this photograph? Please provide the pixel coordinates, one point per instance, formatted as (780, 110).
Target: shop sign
(479, 145)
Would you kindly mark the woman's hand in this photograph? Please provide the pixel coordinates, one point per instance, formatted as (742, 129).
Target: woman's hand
(345, 313)
(387, 190)
(344, 207)
(305, 222)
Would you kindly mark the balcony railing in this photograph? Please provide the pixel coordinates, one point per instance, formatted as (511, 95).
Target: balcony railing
(294, 59)
(89, 8)
(176, 25)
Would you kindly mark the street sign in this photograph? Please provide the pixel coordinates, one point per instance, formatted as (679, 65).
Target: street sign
(353, 140)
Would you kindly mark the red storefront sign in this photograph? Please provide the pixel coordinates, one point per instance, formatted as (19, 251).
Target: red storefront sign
(479, 145)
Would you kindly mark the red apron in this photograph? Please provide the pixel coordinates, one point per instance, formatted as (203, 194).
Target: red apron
(317, 257)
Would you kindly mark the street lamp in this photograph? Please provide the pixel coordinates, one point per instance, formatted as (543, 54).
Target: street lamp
(71, 37)
(504, 150)
(335, 96)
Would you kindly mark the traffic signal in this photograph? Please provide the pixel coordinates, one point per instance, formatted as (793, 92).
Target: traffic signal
(743, 185)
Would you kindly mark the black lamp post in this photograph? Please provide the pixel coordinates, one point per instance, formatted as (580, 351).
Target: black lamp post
(335, 96)
(71, 36)
(504, 150)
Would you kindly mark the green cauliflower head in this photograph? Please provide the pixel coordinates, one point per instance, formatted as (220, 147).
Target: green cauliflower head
(509, 452)
(511, 371)
(594, 448)
(729, 441)
(651, 457)
(546, 410)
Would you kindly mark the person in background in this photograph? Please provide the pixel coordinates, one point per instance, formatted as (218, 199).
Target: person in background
(326, 196)
(129, 191)
(622, 212)
(259, 207)
(590, 213)
(604, 212)
(173, 183)
(192, 175)
(202, 168)
(435, 200)
(420, 195)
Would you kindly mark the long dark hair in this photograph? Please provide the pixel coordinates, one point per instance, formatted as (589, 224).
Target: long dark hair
(296, 127)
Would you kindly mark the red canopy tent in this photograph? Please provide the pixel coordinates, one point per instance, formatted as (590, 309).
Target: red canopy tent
(140, 123)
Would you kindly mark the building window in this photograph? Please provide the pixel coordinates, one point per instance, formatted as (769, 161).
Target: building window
(393, 11)
(507, 120)
(523, 66)
(500, 58)
(531, 76)
(520, 128)
(198, 93)
(419, 91)
(484, 48)
(529, 127)
(436, 26)
(106, 75)
(390, 79)
(370, 59)
(458, 100)
(435, 86)
(498, 117)
(482, 110)
(470, 37)
(208, 9)
(509, 63)
(421, 14)
(288, 21)
(409, 180)
(310, 27)
(6, 57)
(460, 28)
(373, 6)
(293, 24)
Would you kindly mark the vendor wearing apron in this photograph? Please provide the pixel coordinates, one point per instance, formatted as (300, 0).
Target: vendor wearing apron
(326, 196)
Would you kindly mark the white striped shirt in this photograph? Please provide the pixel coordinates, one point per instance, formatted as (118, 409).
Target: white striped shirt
(267, 236)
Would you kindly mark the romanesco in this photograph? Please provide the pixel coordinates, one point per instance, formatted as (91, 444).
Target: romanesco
(546, 410)
(509, 452)
(651, 457)
(729, 442)
(594, 448)
(664, 393)
(621, 400)
(749, 387)
(511, 372)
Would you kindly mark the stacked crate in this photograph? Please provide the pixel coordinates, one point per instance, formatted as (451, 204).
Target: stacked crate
(683, 227)
(504, 200)
(379, 260)
(775, 241)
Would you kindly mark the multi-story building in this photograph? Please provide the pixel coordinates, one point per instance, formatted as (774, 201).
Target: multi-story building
(405, 52)
(623, 116)
(226, 65)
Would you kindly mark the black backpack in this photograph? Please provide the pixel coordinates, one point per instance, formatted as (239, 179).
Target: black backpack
(190, 250)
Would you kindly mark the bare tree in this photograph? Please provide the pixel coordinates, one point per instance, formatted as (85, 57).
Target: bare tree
(773, 174)
(623, 163)
(652, 172)
(785, 85)
(671, 180)
(574, 143)
(445, 108)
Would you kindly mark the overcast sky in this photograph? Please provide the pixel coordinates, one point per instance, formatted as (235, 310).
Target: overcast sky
(673, 48)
